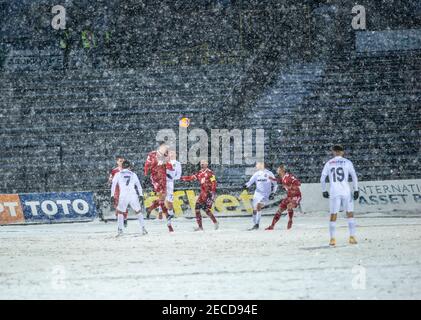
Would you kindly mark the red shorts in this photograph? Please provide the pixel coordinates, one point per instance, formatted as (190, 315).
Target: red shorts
(204, 201)
(159, 185)
(294, 201)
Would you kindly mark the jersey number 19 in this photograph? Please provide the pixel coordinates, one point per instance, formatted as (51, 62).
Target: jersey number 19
(338, 174)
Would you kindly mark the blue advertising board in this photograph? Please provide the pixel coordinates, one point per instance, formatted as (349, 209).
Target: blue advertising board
(58, 207)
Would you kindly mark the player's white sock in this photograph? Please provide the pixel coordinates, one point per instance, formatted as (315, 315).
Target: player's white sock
(141, 220)
(332, 227)
(254, 217)
(258, 216)
(170, 216)
(351, 226)
(120, 221)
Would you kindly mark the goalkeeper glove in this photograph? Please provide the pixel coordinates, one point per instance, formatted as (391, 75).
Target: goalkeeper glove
(325, 194)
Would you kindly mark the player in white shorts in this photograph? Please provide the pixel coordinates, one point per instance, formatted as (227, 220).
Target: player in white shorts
(265, 188)
(338, 169)
(131, 194)
(172, 175)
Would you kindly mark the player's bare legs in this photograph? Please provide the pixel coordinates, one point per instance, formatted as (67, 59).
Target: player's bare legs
(351, 226)
(332, 229)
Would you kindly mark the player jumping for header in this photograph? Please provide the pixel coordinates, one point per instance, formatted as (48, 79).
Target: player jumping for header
(157, 163)
(207, 196)
(131, 194)
(292, 185)
(338, 169)
(266, 186)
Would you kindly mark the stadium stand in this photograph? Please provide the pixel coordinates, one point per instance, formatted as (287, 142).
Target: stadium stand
(65, 129)
(369, 104)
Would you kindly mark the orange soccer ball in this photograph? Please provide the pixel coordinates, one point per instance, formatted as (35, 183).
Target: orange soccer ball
(184, 122)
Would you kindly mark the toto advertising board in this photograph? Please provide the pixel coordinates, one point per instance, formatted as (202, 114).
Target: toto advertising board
(46, 207)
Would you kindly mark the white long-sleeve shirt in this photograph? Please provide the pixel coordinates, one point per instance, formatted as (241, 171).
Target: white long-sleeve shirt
(175, 174)
(338, 169)
(127, 182)
(264, 185)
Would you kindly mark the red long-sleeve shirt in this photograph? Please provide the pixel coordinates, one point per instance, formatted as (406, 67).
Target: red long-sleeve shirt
(157, 164)
(291, 184)
(206, 178)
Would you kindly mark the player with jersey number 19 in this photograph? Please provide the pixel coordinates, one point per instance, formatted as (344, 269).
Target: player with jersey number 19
(131, 194)
(338, 169)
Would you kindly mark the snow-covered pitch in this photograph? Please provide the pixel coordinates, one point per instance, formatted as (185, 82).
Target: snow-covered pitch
(86, 261)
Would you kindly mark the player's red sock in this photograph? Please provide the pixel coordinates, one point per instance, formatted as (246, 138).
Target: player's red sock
(290, 215)
(276, 218)
(165, 211)
(199, 219)
(211, 216)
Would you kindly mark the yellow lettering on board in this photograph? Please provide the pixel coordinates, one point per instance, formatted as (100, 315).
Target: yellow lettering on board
(178, 202)
(246, 198)
(191, 196)
(149, 199)
(226, 202)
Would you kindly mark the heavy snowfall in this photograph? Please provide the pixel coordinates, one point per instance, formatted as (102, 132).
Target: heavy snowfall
(86, 82)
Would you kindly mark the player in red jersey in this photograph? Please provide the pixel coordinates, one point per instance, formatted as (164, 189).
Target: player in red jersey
(157, 164)
(119, 161)
(292, 185)
(207, 195)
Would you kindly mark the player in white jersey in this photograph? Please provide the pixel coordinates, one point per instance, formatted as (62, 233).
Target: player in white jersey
(172, 175)
(131, 194)
(338, 169)
(266, 186)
